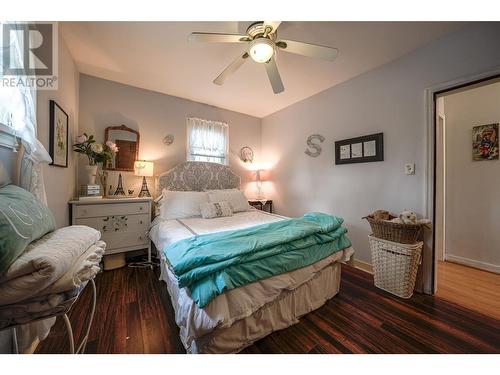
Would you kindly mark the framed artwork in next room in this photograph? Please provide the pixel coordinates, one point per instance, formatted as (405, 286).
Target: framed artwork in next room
(360, 149)
(58, 135)
(485, 142)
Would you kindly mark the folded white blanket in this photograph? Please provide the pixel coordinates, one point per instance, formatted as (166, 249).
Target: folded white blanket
(45, 261)
(37, 308)
(84, 269)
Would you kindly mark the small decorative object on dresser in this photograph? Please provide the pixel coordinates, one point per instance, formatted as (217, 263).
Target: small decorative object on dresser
(119, 189)
(123, 223)
(262, 204)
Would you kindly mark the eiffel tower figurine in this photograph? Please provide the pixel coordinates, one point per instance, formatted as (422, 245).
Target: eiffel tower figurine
(119, 189)
(144, 189)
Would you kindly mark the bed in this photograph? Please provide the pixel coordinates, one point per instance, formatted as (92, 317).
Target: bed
(240, 316)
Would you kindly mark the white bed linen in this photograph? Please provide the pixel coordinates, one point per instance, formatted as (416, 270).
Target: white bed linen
(236, 304)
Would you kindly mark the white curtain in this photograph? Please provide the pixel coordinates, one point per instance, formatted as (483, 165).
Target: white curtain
(207, 141)
(18, 111)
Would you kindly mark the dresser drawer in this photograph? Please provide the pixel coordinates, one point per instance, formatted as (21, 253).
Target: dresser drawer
(110, 209)
(116, 223)
(116, 240)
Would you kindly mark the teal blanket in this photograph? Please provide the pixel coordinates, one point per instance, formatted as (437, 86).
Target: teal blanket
(212, 263)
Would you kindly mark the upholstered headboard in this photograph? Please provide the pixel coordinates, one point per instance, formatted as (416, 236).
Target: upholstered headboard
(198, 176)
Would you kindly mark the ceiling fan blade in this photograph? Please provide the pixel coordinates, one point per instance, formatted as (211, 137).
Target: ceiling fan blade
(307, 49)
(273, 24)
(274, 76)
(218, 38)
(230, 69)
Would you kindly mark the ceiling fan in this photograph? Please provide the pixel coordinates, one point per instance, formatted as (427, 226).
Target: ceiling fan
(262, 43)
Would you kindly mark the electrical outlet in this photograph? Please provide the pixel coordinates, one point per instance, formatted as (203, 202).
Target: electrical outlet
(410, 168)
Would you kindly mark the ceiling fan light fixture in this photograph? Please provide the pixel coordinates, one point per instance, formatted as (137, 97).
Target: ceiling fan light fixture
(261, 50)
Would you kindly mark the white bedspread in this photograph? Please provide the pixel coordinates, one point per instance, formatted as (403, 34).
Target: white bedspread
(234, 304)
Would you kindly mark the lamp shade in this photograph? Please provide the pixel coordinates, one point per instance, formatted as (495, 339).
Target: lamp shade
(143, 168)
(262, 174)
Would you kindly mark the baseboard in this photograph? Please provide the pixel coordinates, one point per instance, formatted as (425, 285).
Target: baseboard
(473, 263)
(367, 267)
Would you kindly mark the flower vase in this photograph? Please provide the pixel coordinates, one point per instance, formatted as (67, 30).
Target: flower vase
(91, 171)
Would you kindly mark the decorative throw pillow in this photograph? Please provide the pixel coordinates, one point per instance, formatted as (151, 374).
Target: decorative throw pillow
(235, 197)
(215, 209)
(181, 204)
(23, 219)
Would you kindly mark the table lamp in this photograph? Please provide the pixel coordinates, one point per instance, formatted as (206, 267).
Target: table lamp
(144, 169)
(258, 180)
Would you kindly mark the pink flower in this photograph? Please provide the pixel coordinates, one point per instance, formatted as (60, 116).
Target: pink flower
(112, 146)
(81, 139)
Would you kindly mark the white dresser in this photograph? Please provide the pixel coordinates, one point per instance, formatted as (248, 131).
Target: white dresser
(123, 223)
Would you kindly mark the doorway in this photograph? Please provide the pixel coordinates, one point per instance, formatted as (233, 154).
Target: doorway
(467, 195)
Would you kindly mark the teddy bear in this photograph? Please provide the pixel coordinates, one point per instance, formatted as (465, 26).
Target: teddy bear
(408, 216)
(381, 215)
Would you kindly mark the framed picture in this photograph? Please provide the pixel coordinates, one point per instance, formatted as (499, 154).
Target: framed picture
(360, 149)
(485, 142)
(58, 137)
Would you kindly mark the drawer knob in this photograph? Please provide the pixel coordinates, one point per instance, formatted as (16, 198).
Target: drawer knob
(140, 222)
(140, 208)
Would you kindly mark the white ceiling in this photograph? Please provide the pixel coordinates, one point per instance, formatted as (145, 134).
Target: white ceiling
(156, 56)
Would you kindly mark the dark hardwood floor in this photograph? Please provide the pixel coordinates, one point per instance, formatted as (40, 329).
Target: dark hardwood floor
(134, 315)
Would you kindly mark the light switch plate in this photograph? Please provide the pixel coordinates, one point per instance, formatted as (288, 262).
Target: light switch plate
(410, 168)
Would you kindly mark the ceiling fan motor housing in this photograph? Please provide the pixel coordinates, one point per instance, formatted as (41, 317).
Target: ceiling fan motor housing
(257, 29)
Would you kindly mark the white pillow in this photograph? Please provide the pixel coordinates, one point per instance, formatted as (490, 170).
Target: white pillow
(236, 199)
(211, 210)
(181, 204)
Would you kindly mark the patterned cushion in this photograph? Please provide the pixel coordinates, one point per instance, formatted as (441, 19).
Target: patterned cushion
(23, 219)
(235, 197)
(215, 209)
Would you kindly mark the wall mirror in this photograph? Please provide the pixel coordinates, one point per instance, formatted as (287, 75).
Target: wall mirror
(127, 141)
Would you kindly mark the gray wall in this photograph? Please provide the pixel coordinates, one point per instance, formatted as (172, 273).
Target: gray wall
(60, 182)
(472, 187)
(104, 103)
(389, 99)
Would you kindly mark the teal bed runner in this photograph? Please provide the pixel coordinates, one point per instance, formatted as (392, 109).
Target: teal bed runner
(210, 264)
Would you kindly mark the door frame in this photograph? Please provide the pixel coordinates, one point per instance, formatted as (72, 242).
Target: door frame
(431, 93)
(441, 129)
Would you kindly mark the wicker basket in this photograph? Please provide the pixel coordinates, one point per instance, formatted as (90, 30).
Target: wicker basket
(395, 232)
(395, 265)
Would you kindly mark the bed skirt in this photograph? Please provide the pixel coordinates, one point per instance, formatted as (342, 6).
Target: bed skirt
(282, 312)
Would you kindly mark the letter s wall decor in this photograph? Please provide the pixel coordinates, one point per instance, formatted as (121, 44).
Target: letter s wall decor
(312, 143)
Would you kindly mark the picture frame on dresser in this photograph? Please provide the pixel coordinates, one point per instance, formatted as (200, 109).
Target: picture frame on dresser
(123, 223)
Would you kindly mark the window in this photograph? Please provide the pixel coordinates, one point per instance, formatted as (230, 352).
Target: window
(207, 141)
(17, 102)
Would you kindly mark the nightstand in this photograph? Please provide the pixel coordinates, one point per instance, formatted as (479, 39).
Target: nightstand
(262, 204)
(123, 223)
